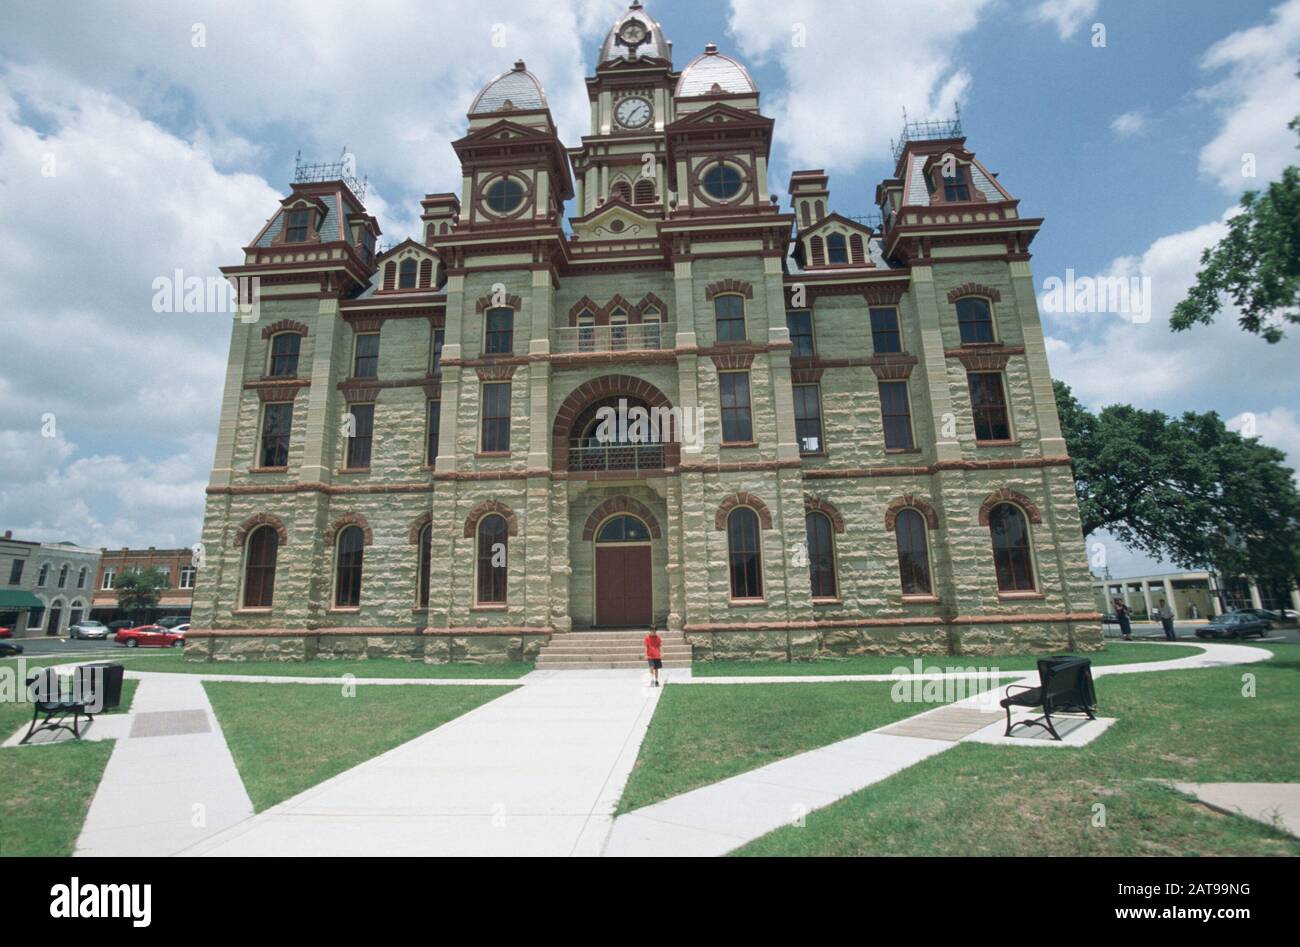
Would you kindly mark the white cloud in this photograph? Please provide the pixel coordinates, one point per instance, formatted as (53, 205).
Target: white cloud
(1128, 124)
(339, 75)
(1066, 15)
(841, 123)
(1257, 97)
(1278, 428)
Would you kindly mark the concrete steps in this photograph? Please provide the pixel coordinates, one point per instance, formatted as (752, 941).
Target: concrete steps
(579, 650)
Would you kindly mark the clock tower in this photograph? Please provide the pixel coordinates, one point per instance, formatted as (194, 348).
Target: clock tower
(631, 95)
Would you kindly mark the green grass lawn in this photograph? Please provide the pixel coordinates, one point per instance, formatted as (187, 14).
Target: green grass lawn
(1112, 653)
(703, 733)
(387, 668)
(47, 789)
(1189, 726)
(288, 737)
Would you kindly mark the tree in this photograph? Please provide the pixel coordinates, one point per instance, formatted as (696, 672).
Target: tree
(1257, 264)
(138, 589)
(1184, 489)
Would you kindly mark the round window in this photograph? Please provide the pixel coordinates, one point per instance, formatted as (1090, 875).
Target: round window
(504, 195)
(722, 181)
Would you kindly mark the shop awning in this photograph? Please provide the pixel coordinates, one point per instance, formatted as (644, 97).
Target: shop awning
(11, 599)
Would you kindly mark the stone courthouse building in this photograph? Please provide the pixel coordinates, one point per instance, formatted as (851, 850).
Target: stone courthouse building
(854, 443)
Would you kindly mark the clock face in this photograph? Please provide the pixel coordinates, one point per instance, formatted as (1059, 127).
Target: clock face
(633, 112)
(633, 32)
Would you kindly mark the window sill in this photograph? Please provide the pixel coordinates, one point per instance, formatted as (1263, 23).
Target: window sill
(920, 600)
(903, 450)
(1016, 596)
(746, 602)
(492, 453)
(251, 611)
(353, 470)
(813, 453)
(490, 608)
(343, 610)
(827, 601)
(740, 443)
(360, 380)
(268, 470)
(980, 345)
(1012, 442)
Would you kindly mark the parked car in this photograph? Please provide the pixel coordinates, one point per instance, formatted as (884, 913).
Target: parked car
(171, 621)
(115, 626)
(1233, 625)
(6, 632)
(1260, 613)
(149, 636)
(181, 629)
(10, 647)
(90, 630)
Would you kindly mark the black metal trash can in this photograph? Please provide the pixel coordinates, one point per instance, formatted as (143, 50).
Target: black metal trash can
(100, 685)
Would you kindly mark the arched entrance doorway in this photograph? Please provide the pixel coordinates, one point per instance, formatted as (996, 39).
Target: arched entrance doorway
(623, 579)
(56, 615)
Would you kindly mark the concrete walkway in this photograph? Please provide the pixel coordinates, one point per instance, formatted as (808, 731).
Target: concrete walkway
(171, 781)
(720, 818)
(535, 772)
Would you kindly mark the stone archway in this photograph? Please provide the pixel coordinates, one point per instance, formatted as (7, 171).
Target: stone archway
(605, 388)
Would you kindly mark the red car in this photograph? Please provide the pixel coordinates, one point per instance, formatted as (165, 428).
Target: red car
(6, 632)
(149, 636)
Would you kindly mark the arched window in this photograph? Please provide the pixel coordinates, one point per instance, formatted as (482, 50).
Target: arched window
(618, 329)
(406, 273)
(499, 331)
(821, 555)
(645, 191)
(743, 553)
(974, 320)
(1012, 557)
(856, 248)
(821, 210)
(913, 556)
(805, 213)
(284, 354)
(621, 191)
(651, 320)
(81, 578)
(586, 331)
(493, 540)
(837, 250)
(44, 575)
(347, 567)
(729, 313)
(63, 575)
(426, 554)
(390, 275)
(818, 246)
(260, 551)
(623, 529)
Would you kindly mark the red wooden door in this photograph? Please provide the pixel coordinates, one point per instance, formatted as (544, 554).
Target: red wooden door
(623, 586)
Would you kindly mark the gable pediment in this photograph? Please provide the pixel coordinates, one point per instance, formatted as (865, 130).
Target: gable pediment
(615, 220)
(719, 113)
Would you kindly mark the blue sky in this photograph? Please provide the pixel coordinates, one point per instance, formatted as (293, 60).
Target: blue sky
(171, 129)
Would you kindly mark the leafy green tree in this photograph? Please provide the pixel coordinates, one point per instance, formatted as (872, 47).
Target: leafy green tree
(138, 590)
(1256, 265)
(1184, 489)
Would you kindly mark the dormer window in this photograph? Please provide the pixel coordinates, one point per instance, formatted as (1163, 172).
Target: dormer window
(837, 250)
(955, 188)
(298, 226)
(406, 273)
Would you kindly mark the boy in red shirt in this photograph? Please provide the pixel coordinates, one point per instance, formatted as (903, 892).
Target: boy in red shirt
(654, 655)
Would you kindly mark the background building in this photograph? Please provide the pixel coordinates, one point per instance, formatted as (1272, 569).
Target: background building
(1191, 595)
(47, 585)
(411, 458)
(176, 599)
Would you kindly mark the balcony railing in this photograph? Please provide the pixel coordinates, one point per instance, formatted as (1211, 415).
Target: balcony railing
(593, 454)
(640, 337)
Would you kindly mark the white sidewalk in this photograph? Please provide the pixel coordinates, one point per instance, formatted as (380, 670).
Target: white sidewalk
(171, 781)
(535, 772)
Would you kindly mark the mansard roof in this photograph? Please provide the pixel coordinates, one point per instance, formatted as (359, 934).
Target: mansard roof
(714, 73)
(654, 45)
(516, 90)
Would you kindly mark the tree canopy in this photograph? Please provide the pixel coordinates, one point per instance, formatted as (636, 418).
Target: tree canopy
(1184, 489)
(1256, 265)
(139, 589)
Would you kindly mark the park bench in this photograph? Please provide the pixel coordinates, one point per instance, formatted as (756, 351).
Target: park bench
(89, 690)
(1064, 686)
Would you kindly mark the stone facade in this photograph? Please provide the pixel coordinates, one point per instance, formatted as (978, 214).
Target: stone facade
(673, 222)
(59, 575)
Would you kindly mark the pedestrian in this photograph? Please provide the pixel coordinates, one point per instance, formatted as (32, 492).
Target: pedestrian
(1166, 616)
(1121, 615)
(654, 655)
